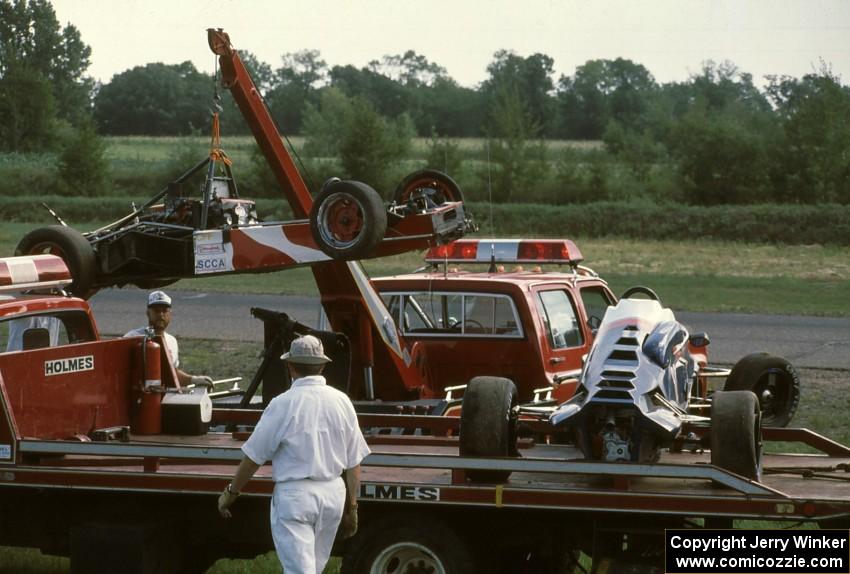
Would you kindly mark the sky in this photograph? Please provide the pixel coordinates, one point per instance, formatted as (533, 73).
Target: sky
(670, 38)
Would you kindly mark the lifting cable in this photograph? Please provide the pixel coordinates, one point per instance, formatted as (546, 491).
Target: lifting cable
(216, 153)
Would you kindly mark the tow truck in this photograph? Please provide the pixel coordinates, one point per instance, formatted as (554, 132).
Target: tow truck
(104, 458)
(85, 428)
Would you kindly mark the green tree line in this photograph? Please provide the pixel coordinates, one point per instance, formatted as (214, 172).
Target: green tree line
(715, 138)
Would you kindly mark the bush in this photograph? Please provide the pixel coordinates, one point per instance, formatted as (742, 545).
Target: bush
(771, 223)
(82, 162)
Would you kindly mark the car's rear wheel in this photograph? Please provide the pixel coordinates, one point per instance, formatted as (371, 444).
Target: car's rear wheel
(736, 433)
(430, 184)
(348, 219)
(774, 381)
(488, 424)
(72, 247)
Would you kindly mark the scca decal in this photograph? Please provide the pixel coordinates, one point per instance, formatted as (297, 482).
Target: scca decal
(397, 492)
(65, 366)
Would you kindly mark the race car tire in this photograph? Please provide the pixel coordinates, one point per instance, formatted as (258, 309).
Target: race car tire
(395, 544)
(736, 433)
(774, 381)
(640, 289)
(72, 247)
(348, 219)
(438, 186)
(488, 424)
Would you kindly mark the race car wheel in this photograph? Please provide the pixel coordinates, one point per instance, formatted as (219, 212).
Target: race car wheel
(395, 546)
(642, 290)
(348, 219)
(434, 185)
(72, 247)
(775, 383)
(488, 424)
(736, 433)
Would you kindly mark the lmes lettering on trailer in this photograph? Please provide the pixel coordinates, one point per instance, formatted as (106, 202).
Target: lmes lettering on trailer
(70, 365)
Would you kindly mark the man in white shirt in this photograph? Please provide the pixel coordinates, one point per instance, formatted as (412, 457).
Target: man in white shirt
(311, 435)
(159, 317)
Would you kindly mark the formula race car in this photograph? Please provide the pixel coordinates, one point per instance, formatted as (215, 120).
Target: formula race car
(177, 234)
(644, 378)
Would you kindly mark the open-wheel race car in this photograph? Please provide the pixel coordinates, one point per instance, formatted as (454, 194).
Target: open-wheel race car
(644, 387)
(178, 234)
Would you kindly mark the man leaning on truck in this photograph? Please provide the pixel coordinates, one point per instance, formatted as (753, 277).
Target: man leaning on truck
(159, 317)
(311, 435)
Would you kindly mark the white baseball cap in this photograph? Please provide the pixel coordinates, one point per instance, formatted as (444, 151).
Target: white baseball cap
(159, 298)
(306, 350)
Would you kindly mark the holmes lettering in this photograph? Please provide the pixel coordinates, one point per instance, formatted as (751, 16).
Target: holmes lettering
(70, 365)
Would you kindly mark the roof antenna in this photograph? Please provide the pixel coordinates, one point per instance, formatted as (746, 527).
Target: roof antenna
(490, 187)
(492, 268)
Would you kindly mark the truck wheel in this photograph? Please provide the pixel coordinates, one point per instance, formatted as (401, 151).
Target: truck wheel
(348, 219)
(396, 546)
(427, 183)
(488, 423)
(736, 433)
(775, 383)
(72, 247)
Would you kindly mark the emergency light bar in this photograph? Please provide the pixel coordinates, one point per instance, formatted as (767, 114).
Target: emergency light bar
(33, 272)
(561, 251)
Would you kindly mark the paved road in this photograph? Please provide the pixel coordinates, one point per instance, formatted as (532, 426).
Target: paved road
(806, 341)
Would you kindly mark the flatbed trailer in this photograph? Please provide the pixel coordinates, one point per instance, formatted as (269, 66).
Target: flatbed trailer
(147, 504)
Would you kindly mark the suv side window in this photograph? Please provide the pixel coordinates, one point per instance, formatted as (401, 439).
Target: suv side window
(560, 319)
(596, 301)
(454, 314)
(45, 330)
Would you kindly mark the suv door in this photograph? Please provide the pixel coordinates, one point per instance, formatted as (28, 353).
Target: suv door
(563, 340)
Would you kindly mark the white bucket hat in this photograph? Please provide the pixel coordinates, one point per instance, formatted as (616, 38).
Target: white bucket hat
(306, 350)
(159, 298)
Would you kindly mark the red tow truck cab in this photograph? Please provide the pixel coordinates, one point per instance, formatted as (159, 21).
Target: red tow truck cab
(58, 378)
(512, 319)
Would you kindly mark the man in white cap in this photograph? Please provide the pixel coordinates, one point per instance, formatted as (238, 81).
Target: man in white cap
(311, 435)
(159, 317)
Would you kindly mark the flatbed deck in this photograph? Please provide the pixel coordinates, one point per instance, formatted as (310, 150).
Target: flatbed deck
(402, 470)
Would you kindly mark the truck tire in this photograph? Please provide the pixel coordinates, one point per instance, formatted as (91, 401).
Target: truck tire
(488, 424)
(396, 545)
(435, 185)
(774, 381)
(348, 219)
(736, 433)
(72, 247)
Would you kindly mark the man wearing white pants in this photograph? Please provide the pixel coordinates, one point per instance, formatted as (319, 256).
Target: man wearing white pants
(311, 435)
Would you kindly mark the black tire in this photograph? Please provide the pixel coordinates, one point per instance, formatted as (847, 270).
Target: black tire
(348, 219)
(736, 433)
(435, 185)
(394, 545)
(774, 381)
(72, 247)
(640, 289)
(488, 424)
